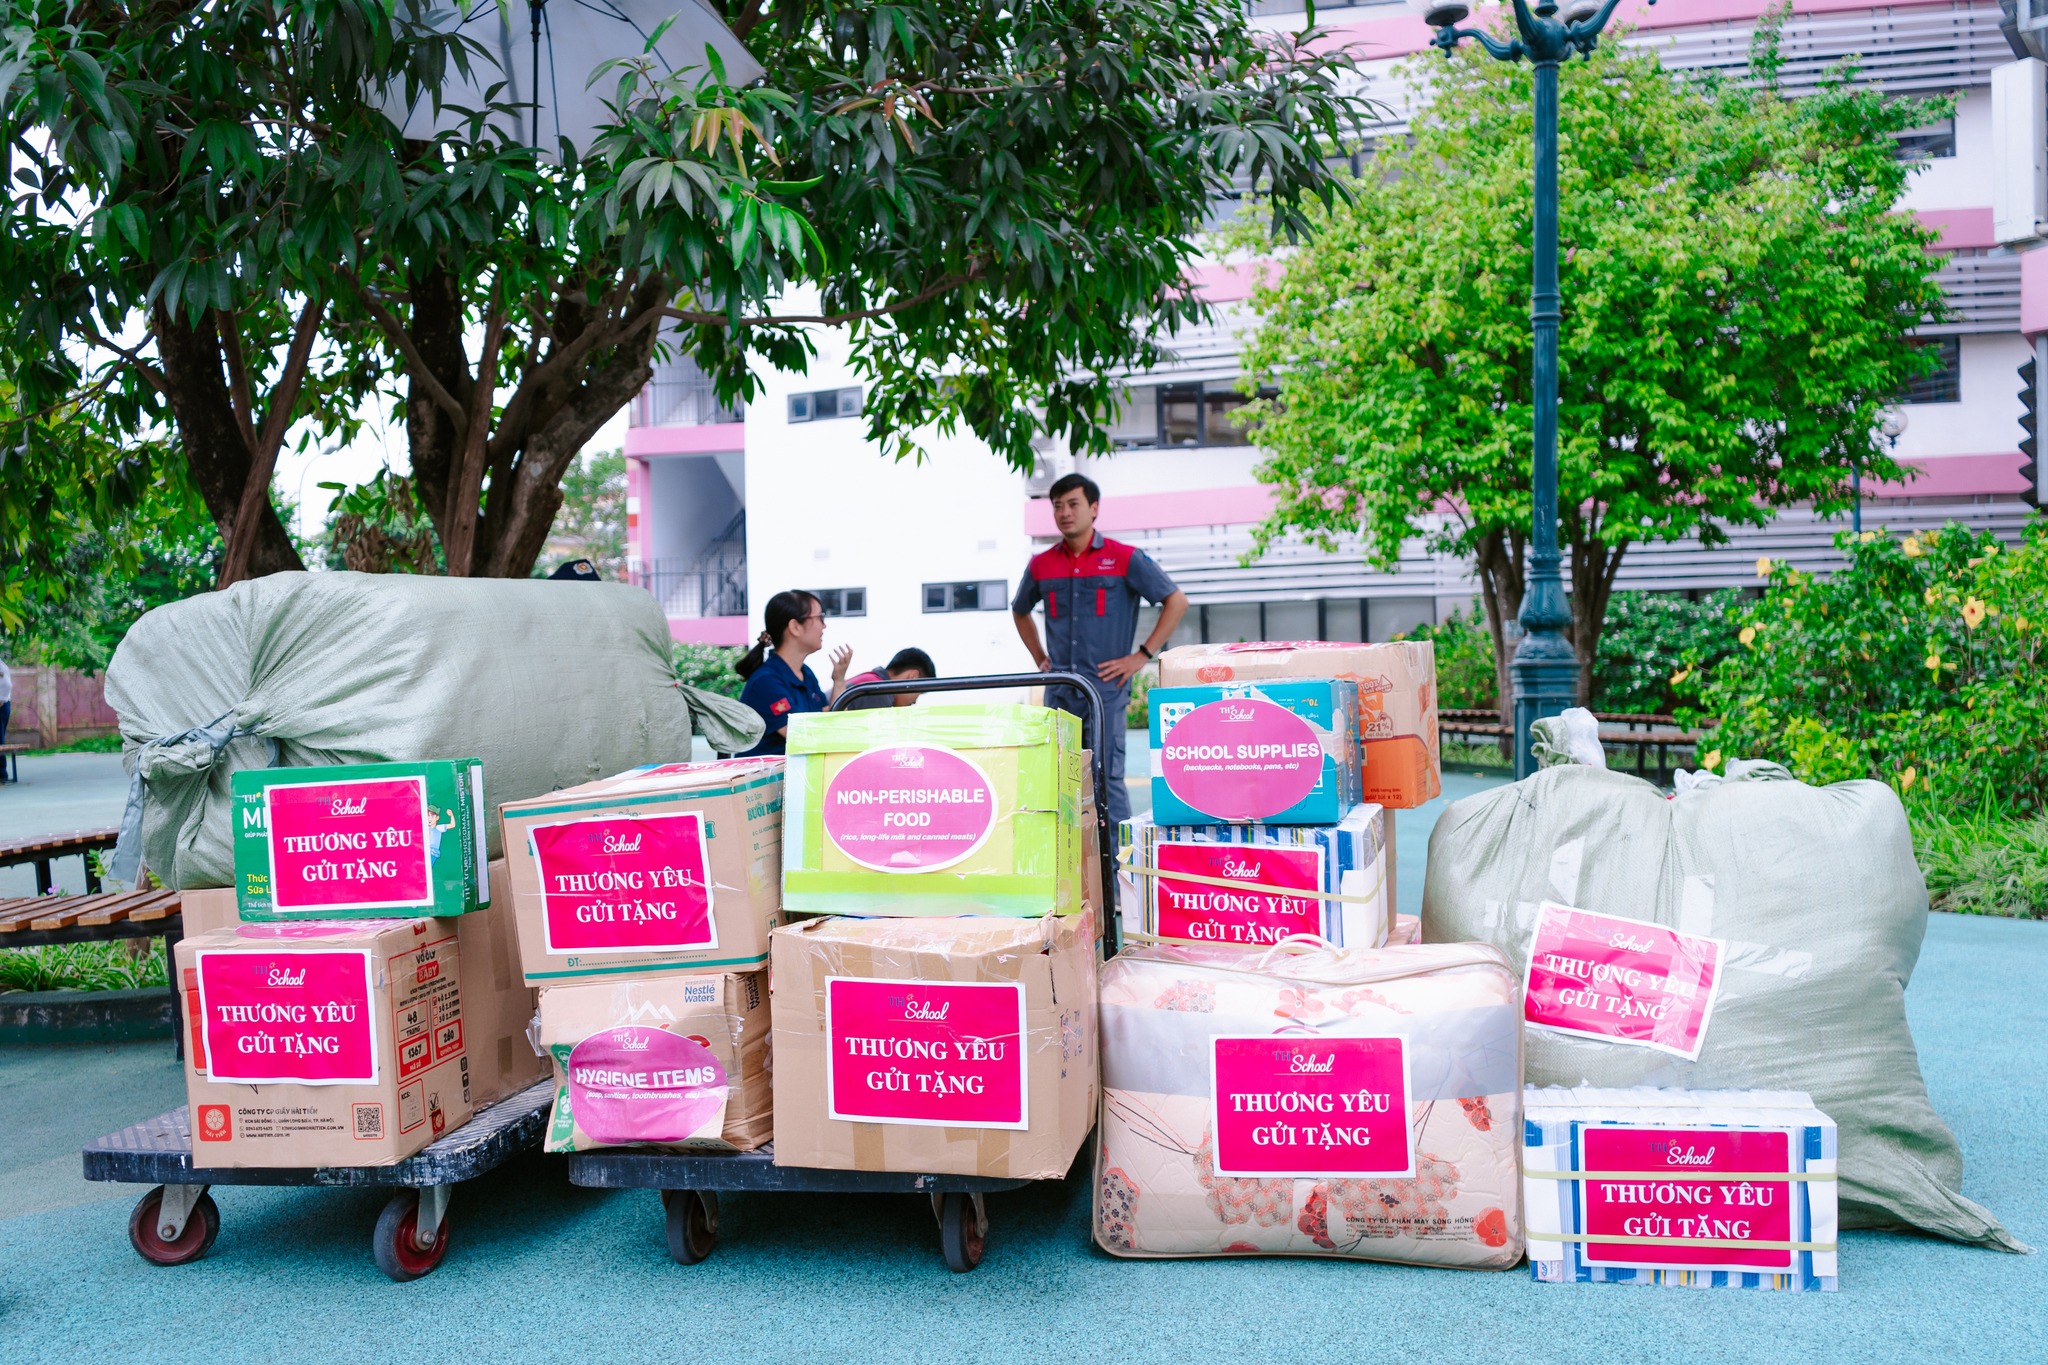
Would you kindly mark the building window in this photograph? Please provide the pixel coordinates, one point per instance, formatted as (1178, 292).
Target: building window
(1944, 383)
(1937, 139)
(824, 404)
(1204, 415)
(991, 594)
(842, 601)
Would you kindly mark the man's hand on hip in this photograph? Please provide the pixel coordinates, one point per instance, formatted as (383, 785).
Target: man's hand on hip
(1121, 671)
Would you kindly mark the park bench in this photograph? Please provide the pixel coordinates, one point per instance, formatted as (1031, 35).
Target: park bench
(10, 764)
(1619, 730)
(32, 921)
(44, 849)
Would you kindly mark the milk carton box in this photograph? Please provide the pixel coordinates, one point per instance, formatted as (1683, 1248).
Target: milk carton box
(1276, 753)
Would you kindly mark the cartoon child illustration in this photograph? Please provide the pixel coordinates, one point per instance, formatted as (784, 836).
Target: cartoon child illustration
(437, 815)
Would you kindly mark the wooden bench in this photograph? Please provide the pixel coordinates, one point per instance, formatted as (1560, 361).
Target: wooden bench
(1619, 730)
(32, 921)
(44, 849)
(10, 765)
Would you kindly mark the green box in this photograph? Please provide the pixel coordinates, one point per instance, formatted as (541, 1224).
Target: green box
(933, 810)
(360, 841)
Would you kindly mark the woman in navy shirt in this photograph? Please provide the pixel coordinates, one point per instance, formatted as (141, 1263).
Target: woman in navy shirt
(779, 683)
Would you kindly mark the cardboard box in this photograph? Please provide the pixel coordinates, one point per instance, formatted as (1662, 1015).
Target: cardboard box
(335, 1043)
(1397, 720)
(1279, 753)
(1266, 862)
(934, 810)
(497, 1004)
(675, 867)
(1091, 838)
(952, 1046)
(361, 841)
(679, 1063)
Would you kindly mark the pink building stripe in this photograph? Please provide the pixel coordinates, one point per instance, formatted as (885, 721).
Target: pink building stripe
(709, 630)
(714, 438)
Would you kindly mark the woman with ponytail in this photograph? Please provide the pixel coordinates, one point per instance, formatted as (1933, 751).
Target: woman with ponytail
(779, 683)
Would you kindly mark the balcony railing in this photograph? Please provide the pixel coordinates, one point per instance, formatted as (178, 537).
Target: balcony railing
(694, 588)
(677, 401)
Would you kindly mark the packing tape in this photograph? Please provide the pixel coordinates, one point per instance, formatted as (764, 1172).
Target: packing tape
(1682, 1175)
(1292, 893)
(1735, 1242)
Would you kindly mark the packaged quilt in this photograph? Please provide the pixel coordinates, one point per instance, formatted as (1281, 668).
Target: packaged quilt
(1311, 1101)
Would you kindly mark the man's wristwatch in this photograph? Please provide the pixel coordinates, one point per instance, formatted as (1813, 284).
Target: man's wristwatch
(1149, 655)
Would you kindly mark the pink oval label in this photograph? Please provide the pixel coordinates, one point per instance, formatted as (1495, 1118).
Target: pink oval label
(1241, 759)
(637, 1084)
(914, 808)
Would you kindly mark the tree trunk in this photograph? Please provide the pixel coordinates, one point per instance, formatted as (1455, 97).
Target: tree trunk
(1594, 566)
(1501, 570)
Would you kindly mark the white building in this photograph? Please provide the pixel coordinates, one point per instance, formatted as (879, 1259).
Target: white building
(726, 509)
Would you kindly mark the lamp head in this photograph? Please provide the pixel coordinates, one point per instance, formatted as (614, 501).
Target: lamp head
(1578, 11)
(1441, 13)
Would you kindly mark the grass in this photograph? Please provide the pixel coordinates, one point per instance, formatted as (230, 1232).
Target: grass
(1983, 863)
(128, 964)
(1485, 756)
(91, 744)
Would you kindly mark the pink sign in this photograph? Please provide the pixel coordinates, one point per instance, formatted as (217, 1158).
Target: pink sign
(638, 1084)
(1241, 759)
(1600, 976)
(915, 808)
(290, 1016)
(1291, 1105)
(625, 883)
(1260, 912)
(1672, 1185)
(928, 1052)
(357, 844)
(316, 928)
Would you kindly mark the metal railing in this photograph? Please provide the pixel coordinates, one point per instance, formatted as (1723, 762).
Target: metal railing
(695, 588)
(671, 400)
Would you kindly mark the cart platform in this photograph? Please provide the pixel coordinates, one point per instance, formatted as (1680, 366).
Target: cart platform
(756, 1170)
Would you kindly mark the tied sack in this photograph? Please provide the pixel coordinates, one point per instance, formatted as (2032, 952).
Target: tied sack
(549, 684)
(1311, 1101)
(1800, 912)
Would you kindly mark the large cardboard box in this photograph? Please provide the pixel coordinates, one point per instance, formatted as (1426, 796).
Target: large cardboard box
(934, 810)
(1283, 752)
(360, 841)
(1397, 719)
(1091, 839)
(670, 868)
(951, 1046)
(497, 1004)
(335, 1043)
(679, 1063)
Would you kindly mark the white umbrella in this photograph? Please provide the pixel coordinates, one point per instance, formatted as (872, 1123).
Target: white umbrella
(555, 51)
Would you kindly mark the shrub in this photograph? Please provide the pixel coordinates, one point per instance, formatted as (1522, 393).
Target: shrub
(1138, 715)
(1919, 663)
(709, 667)
(1464, 661)
(1980, 864)
(84, 966)
(1650, 636)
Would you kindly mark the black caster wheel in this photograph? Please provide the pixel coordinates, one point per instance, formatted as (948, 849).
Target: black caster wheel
(200, 1230)
(395, 1246)
(960, 1232)
(692, 1217)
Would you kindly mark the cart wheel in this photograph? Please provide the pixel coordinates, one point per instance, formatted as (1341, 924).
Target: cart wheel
(960, 1234)
(200, 1230)
(692, 1224)
(398, 1254)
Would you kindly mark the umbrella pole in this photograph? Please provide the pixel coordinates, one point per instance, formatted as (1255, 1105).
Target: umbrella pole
(533, 9)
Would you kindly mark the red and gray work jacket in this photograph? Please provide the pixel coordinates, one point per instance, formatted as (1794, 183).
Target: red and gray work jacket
(1091, 601)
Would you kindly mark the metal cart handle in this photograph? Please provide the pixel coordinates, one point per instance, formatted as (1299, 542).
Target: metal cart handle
(1058, 677)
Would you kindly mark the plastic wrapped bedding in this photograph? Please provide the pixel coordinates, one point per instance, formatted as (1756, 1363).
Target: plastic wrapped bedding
(1311, 1101)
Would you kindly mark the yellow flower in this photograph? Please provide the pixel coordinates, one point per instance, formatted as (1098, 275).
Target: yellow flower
(1681, 675)
(1763, 566)
(1930, 596)
(1748, 634)
(1973, 613)
(1711, 759)
(2019, 623)
(1931, 537)
(1867, 537)
(1911, 546)
(1907, 777)
(1933, 662)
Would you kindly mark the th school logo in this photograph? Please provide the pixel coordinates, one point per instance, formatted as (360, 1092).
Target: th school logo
(341, 805)
(907, 758)
(629, 1040)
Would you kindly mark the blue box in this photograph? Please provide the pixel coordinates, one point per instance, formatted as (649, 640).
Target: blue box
(1278, 752)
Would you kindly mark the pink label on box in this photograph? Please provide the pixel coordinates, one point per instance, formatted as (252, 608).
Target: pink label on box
(1241, 759)
(1286, 1105)
(360, 843)
(913, 808)
(1673, 1190)
(316, 928)
(1262, 912)
(926, 1052)
(288, 1016)
(625, 884)
(1621, 980)
(639, 1084)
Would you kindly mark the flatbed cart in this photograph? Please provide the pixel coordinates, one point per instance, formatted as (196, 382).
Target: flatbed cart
(690, 1184)
(177, 1221)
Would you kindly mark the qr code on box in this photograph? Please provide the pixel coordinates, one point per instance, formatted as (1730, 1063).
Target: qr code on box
(369, 1122)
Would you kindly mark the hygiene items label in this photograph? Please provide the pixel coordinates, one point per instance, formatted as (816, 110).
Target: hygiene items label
(1287, 1105)
(1241, 758)
(641, 1084)
(1259, 912)
(1689, 1184)
(939, 1053)
(910, 808)
(1621, 980)
(289, 1017)
(625, 883)
(362, 843)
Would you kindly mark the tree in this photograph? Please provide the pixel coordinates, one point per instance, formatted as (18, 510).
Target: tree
(592, 522)
(212, 228)
(1738, 294)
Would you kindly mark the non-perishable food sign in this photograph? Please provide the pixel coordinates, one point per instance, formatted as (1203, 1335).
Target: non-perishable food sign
(358, 844)
(939, 1053)
(1257, 911)
(642, 1084)
(1311, 1106)
(289, 1016)
(1621, 980)
(1687, 1198)
(909, 808)
(1240, 759)
(625, 883)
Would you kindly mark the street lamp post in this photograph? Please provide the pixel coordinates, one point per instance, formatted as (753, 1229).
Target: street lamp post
(1545, 669)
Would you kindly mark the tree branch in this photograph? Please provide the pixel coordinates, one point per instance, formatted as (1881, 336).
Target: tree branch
(263, 459)
(241, 395)
(149, 372)
(416, 365)
(925, 295)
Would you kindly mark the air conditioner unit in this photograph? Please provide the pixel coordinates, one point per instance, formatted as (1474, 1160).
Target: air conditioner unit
(1045, 472)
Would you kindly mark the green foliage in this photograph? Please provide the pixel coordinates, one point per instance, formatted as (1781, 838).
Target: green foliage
(1919, 663)
(1652, 636)
(1982, 863)
(1465, 678)
(1738, 294)
(113, 966)
(1138, 714)
(380, 527)
(592, 521)
(709, 667)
